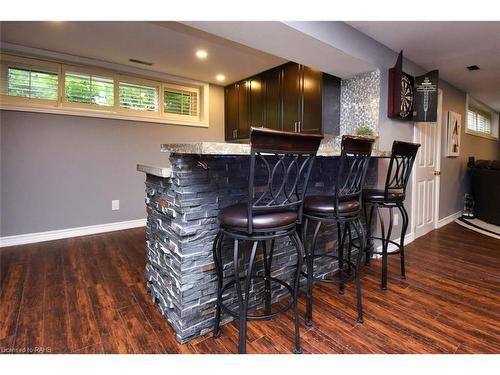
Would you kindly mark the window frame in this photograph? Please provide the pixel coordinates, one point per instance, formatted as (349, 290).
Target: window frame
(477, 107)
(196, 90)
(91, 72)
(27, 64)
(139, 81)
(117, 73)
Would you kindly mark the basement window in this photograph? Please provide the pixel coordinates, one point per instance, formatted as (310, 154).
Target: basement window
(479, 120)
(29, 82)
(181, 101)
(32, 84)
(88, 89)
(45, 86)
(139, 95)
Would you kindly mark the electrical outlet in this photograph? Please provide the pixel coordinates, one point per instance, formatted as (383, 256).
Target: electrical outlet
(396, 219)
(115, 205)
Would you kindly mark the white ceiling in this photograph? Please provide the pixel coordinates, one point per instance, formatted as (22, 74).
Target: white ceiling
(170, 46)
(282, 40)
(449, 47)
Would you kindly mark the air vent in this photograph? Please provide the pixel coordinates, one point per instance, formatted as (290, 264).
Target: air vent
(473, 67)
(141, 62)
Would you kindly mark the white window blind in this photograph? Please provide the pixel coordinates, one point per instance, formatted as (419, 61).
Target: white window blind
(138, 97)
(39, 85)
(180, 101)
(479, 120)
(88, 89)
(32, 84)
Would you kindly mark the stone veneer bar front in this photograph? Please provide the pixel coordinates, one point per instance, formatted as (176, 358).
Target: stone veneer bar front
(183, 202)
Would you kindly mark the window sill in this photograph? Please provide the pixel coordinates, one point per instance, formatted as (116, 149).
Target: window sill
(102, 114)
(481, 135)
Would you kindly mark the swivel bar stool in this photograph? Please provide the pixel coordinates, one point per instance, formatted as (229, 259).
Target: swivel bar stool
(280, 165)
(343, 207)
(392, 196)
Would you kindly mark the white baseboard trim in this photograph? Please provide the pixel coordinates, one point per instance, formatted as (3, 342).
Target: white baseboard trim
(448, 219)
(408, 239)
(27, 238)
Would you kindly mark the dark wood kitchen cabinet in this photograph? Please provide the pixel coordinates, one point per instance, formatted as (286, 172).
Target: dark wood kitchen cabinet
(244, 107)
(256, 101)
(231, 111)
(311, 105)
(272, 101)
(290, 97)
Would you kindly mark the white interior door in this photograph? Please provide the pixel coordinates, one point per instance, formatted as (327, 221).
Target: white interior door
(426, 181)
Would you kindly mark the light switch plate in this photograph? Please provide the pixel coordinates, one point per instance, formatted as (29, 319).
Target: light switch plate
(115, 205)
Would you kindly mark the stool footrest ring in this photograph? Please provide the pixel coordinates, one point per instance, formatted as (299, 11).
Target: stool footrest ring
(390, 241)
(284, 309)
(330, 281)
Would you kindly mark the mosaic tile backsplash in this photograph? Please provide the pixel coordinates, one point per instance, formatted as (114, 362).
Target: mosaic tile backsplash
(359, 102)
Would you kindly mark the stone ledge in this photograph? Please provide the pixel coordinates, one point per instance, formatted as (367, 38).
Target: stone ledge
(164, 172)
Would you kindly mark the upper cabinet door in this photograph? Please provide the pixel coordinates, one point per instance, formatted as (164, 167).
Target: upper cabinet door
(243, 110)
(272, 99)
(311, 100)
(290, 90)
(256, 97)
(231, 112)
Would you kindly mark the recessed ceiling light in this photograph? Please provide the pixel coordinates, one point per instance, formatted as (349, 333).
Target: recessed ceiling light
(220, 77)
(201, 54)
(473, 67)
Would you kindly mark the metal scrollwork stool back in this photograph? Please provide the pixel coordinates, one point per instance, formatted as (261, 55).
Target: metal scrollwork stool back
(280, 166)
(343, 207)
(392, 196)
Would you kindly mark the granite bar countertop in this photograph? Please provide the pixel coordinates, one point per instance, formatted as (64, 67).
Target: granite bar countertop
(329, 147)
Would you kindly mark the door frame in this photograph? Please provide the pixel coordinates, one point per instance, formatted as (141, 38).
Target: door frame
(439, 127)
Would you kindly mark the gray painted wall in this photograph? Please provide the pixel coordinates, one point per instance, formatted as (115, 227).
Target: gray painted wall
(454, 178)
(60, 171)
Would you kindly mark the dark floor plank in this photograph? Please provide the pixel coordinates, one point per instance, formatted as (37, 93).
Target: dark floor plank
(164, 333)
(113, 274)
(10, 299)
(93, 299)
(114, 337)
(143, 338)
(82, 325)
(30, 327)
(56, 332)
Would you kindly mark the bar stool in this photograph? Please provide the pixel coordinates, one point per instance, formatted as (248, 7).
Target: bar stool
(392, 196)
(344, 208)
(280, 165)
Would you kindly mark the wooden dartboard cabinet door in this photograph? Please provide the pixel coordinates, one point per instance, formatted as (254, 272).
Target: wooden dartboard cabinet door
(400, 94)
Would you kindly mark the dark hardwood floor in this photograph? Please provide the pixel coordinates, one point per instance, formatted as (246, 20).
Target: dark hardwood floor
(87, 295)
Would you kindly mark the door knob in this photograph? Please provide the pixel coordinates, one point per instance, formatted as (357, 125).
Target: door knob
(436, 173)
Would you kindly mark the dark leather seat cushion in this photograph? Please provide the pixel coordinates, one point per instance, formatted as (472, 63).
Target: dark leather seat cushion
(377, 195)
(236, 216)
(325, 204)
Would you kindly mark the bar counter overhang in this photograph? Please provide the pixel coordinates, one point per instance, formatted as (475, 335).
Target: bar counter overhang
(183, 202)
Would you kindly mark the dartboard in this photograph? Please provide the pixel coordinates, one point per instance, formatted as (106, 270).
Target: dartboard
(406, 96)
